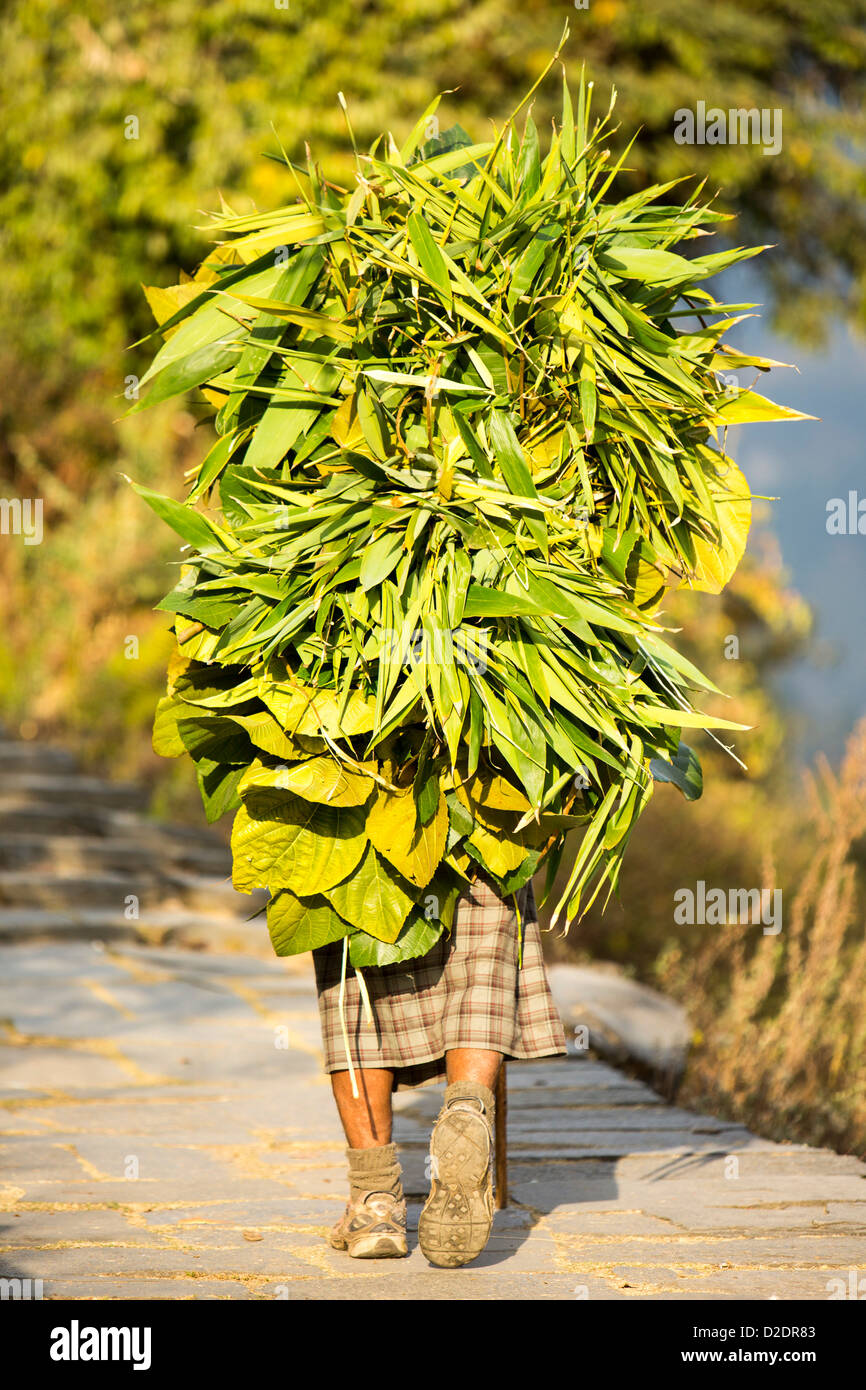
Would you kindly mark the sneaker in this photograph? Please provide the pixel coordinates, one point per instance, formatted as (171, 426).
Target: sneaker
(454, 1226)
(373, 1227)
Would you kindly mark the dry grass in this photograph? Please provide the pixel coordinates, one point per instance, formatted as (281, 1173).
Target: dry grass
(781, 1020)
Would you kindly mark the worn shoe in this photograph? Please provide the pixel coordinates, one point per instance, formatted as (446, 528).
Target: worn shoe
(372, 1228)
(454, 1226)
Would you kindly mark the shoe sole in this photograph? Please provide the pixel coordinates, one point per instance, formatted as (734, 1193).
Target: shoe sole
(455, 1225)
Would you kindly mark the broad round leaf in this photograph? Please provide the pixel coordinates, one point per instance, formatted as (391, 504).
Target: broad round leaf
(282, 841)
(416, 850)
(372, 898)
(298, 925)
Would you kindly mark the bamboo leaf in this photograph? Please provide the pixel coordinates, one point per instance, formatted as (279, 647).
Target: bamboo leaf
(431, 258)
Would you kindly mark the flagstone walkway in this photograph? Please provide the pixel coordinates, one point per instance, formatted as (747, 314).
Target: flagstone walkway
(167, 1133)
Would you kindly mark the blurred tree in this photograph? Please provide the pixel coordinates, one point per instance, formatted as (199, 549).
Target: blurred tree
(121, 123)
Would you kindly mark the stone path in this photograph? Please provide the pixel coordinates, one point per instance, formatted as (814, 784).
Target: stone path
(79, 858)
(167, 1133)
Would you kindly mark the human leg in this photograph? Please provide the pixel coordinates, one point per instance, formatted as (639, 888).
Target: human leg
(366, 1119)
(473, 1064)
(374, 1223)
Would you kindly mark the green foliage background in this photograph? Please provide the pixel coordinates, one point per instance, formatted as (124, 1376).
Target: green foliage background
(83, 209)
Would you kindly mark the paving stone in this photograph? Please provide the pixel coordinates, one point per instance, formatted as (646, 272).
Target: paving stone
(712, 1285)
(795, 1250)
(279, 1211)
(56, 1226)
(197, 1119)
(639, 1119)
(169, 1056)
(50, 1069)
(449, 1286)
(147, 1258)
(124, 1289)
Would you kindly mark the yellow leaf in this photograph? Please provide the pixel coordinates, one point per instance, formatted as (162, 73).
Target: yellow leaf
(282, 841)
(716, 563)
(346, 427)
(650, 585)
(501, 855)
(218, 255)
(415, 850)
(495, 792)
(324, 780)
(196, 642)
(178, 663)
(303, 710)
(165, 302)
(750, 408)
(545, 452)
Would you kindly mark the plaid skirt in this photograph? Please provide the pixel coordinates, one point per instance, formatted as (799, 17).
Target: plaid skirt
(466, 992)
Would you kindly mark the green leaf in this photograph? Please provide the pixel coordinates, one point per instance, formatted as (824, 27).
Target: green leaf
(459, 816)
(187, 372)
(652, 266)
(510, 456)
(513, 882)
(380, 559)
(482, 602)
(190, 525)
(218, 787)
(588, 402)
(302, 924)
(462, 410)
(430, 256)
(373, 898)
(684, 770)
(425, 787)
(417, 937)
(529, 160)
(212, 466)
(292, 287)
(683, 718)
(208, 315)
(213, 737)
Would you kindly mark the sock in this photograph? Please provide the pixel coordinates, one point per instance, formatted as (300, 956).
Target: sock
(472, 1090)
(374, 1170)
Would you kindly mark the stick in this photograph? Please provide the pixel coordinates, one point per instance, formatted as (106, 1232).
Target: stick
(501, 1127)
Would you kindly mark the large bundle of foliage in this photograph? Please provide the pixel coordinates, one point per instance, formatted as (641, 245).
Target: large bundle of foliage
(470, 427)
